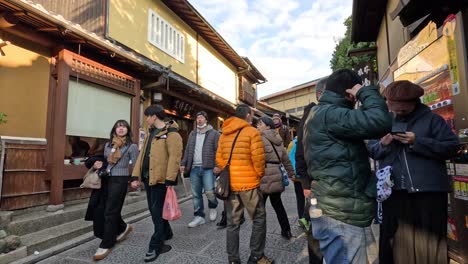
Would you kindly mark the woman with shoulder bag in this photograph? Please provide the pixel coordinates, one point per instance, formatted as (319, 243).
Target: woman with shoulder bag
(271, 183)
(105, 204)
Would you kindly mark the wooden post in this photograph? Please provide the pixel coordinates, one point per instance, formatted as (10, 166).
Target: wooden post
(135, 113)
(58, 129)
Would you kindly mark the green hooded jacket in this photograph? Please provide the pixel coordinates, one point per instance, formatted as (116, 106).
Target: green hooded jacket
(337, 157)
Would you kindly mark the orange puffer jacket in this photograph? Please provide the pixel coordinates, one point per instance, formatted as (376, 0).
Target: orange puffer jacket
(248, 159)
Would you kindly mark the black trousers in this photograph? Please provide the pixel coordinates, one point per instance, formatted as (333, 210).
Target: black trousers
(275, 200)
(300, 199)
(107, 220)
(414, 228)
(155, 195)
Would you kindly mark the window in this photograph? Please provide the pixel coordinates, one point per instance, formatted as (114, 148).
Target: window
(165, 37)
(92, 109)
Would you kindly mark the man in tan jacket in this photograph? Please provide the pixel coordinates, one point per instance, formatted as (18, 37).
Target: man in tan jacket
(157, 169)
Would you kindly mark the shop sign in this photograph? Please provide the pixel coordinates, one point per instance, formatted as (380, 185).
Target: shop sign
(183, 108)
(418, 43)
(462, 169)
(141, 138)
(247, 92)
(452, 229)
(460, 187)
(449, 33)
(366, 73)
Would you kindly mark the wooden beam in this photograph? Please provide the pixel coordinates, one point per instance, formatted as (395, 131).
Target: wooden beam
(196, 101)
(77, 41)
(135, 114)
(50, 29)
(20, 13)
(8, 20)
(29, 34)
(58, 129)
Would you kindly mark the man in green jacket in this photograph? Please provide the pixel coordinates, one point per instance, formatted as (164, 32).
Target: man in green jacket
(337, 159)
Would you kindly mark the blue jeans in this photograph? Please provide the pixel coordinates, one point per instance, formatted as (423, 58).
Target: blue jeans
(202, 179)
(340, 243)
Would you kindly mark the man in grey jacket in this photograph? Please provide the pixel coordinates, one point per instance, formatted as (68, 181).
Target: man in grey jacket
(200, 159)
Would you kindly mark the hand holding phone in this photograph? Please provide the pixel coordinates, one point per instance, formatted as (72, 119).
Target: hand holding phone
(386, 140)
(406, 138)
(399, 128)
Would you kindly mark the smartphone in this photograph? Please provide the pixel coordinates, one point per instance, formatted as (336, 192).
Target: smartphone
(399, 128)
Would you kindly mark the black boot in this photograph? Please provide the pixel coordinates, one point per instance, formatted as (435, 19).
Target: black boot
(223, 222)
(286, 234)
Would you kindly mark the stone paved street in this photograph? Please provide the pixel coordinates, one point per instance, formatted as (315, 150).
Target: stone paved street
(204, 244)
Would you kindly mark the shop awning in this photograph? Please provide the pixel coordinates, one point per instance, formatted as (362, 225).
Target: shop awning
(367, 15)
(410, 11)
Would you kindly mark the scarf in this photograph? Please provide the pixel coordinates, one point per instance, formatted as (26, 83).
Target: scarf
(117, 143)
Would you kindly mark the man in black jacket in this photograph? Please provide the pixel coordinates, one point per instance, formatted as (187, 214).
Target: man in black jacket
(303, 189)
(200, 159)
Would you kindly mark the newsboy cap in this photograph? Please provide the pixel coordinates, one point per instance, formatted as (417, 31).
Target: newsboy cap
(402, 94)
(276, 116)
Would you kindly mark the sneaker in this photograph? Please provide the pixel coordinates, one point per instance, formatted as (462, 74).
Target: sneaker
(152, 254)
(263, 260)
(213, 214)
(101, 253)
(198, 220)
(169, 236)
(125, 233)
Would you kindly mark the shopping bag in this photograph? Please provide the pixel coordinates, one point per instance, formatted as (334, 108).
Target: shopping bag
(171, 211)
(91, 180)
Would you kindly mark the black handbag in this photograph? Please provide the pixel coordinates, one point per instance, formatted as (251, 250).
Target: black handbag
(222, 185)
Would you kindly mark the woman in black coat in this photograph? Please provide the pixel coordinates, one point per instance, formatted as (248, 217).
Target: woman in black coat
(414, 222)
(105, 204)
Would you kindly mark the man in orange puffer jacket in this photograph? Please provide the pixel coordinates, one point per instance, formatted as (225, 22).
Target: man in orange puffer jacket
(246, 168)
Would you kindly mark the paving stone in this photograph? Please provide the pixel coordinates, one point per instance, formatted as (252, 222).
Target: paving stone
(57, 260)
(3, 234)
(274, 241)
(190, 258)
(203, 244)
(130, 254)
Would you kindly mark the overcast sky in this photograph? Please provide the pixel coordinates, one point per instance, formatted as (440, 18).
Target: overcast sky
(289, 41)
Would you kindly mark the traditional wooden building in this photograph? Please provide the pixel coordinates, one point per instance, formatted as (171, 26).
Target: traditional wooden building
(293, 100)
(70, 69)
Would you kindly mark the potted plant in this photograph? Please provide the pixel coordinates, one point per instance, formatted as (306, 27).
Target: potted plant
(3, 118)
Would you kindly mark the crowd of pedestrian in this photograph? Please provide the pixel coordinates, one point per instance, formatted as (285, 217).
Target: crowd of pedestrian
(328, 163)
